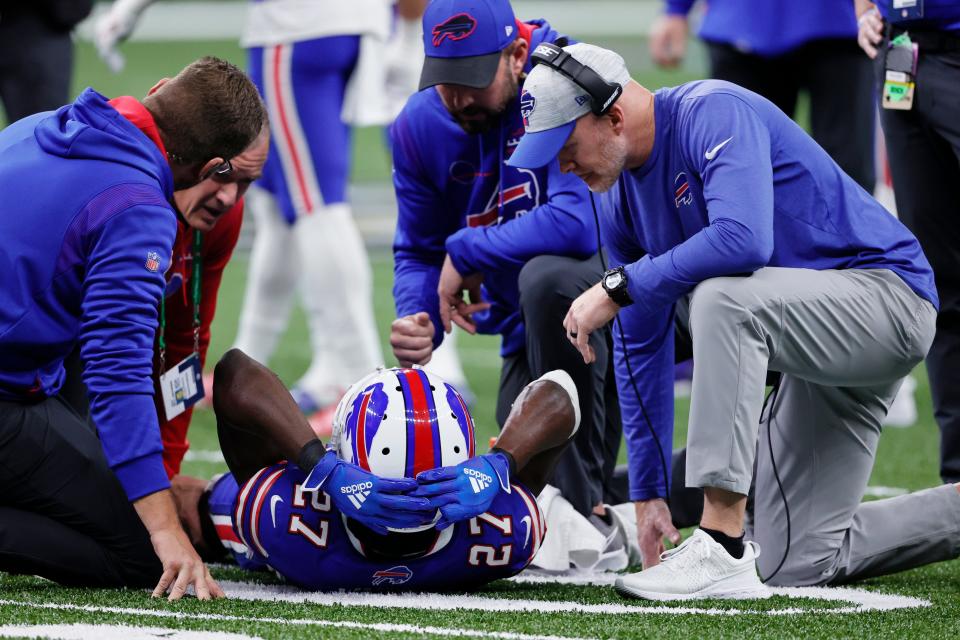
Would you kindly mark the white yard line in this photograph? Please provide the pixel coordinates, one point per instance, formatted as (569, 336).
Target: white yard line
(885, 492)
(861, 600)
(112, 632)
(203, 455)
(446, 632)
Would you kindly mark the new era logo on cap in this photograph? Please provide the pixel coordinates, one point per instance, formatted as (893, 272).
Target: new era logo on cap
(455, 27)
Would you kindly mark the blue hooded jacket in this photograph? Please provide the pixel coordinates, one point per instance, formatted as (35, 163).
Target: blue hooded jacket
(456, 196)
(86, 233)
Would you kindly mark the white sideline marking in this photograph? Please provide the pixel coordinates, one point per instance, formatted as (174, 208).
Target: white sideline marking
(885, 492)
(203, 455)
(445, 632)
(112, 632)
(862, 601)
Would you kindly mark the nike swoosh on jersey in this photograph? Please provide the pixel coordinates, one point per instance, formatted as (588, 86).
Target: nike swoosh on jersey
(526, 536)
(712, 153)
(273, 509)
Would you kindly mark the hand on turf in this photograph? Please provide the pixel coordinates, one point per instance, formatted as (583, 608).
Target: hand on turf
(182, 567)
(378, 503)
(412, 339)
(668, 40)
(453, 308)
(591, 310)
(466, 490)
(870, 31)
(653, 525)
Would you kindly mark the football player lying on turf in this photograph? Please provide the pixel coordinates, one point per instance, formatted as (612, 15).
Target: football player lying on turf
(398, 499)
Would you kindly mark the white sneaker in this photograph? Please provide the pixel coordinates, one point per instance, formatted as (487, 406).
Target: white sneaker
(699, 568)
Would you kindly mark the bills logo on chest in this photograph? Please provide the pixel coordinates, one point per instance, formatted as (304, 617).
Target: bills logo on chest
(509, 202)
(682, 195)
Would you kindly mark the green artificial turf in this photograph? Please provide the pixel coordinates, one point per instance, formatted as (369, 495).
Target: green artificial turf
(907, 458)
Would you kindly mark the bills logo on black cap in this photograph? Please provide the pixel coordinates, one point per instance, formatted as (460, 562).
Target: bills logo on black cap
(527, 104)
(455, 27)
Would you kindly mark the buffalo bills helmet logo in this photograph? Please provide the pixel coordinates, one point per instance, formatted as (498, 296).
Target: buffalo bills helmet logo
(527, 104)
(455, 27)
(393, 575)
(681, 190)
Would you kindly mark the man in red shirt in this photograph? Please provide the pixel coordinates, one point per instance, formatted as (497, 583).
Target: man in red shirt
(86, 213)
(217, 215)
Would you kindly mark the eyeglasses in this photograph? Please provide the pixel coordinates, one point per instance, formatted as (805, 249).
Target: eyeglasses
(221, 171)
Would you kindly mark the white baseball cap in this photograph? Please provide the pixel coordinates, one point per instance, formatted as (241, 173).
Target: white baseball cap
(551, 103)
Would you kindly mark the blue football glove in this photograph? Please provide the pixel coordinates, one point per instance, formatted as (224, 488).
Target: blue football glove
(369, 499)
(466, 490)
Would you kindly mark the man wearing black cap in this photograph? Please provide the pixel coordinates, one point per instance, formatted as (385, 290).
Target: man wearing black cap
(521, 243)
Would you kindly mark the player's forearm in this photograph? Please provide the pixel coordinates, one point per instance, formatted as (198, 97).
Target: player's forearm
(544, 416)
(251, 399)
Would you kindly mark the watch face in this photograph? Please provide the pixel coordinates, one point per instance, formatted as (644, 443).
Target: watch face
(613, 280)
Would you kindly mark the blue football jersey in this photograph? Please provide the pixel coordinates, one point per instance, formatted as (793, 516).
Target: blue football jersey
(270, 522)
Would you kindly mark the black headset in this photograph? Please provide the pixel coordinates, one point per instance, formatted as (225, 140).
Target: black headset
(602, 93)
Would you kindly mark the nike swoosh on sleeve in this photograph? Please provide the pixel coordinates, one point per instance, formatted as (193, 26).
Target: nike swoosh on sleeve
(273, 509)
(712, 153)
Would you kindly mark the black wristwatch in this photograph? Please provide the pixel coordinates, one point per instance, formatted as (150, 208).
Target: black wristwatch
(615, 284)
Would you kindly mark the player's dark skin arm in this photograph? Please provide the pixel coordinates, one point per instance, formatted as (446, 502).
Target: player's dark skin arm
(537, 430)
(258, 422)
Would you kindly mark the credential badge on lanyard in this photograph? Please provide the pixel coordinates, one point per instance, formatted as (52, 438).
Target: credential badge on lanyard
(182, 386)
(900, 71)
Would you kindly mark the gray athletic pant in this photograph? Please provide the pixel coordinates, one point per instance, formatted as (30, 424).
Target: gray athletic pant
(842, 341)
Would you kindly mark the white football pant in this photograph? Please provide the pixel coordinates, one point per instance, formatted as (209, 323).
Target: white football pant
(324, 254)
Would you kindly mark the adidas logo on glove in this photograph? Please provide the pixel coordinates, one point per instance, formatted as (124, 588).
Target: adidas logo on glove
(357, 492)
(360, 487)
(478, 480)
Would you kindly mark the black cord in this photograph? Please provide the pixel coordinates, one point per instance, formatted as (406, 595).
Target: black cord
(772, 397)
(633, 381)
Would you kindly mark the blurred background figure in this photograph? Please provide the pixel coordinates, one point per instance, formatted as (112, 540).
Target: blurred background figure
(780, 48)
(923, 143)
(36, 53)
(321, 68)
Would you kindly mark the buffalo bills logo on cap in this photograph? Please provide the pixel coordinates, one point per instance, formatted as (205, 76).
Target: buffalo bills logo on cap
(527, 104)
(681, 190)
(455, 27)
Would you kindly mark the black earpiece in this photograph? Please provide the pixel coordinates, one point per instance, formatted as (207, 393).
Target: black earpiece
(602, 93)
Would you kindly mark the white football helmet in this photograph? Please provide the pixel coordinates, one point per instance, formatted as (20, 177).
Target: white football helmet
(398, 422)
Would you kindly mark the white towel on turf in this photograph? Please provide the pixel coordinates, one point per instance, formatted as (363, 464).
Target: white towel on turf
(573, 542)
